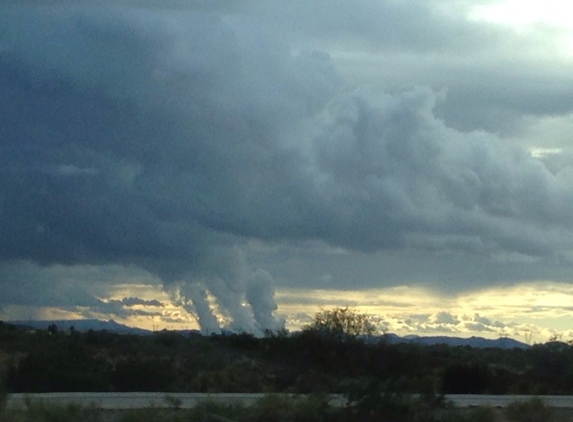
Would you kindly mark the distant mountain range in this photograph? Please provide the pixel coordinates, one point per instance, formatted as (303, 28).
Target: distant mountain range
(82, 325)
(112, 326)
(475, 342)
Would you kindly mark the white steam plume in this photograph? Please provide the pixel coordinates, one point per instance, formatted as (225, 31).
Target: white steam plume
(207, 321)
(243, 295)
(231, 299)
(260, 295)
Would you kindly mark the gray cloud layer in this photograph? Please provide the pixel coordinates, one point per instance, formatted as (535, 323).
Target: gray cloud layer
(166, 139)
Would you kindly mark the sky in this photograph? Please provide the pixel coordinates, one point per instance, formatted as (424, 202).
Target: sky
(243, 164)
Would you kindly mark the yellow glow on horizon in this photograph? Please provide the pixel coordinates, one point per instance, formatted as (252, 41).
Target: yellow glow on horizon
(532, 311)
(540, 309)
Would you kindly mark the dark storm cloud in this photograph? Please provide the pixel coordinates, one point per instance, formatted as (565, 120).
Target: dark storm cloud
(501, 97)
(168, 148)
(29, 285)
(370, 25)
(397, 176)
(494, 73)
(23, 283)
(165, 140)
(150, 141)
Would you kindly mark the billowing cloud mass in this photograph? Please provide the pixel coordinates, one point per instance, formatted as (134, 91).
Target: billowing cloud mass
(168, 139)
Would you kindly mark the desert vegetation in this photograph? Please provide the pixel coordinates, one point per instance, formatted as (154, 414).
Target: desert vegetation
(312, 408)
(381, 381)
(315, 360)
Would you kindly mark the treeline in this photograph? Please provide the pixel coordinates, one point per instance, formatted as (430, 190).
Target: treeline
(311, 361)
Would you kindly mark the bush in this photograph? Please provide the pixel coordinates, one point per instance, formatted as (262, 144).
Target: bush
(3, 394)
(209, 411)
(38, 411)
(153, 414)
(342, 324)
(379, 402)
(479, 414)
(3, 399)
(313, 408)
(533, 410)
(4, 365)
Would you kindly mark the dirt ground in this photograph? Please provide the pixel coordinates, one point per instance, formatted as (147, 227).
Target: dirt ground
(558, 415)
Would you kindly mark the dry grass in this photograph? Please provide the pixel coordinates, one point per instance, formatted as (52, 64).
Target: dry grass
(532, 411)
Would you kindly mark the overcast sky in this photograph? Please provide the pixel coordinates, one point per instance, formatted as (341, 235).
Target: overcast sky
(165, 161)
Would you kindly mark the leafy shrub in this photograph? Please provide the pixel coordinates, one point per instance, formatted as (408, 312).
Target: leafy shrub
(342, 324)
(533, 410)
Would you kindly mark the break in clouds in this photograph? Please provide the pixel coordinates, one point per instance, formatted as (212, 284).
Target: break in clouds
(165, 140)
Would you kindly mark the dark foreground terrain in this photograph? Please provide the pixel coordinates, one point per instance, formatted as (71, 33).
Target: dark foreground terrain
(379, 380)
(294, 409)
(311, 361)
